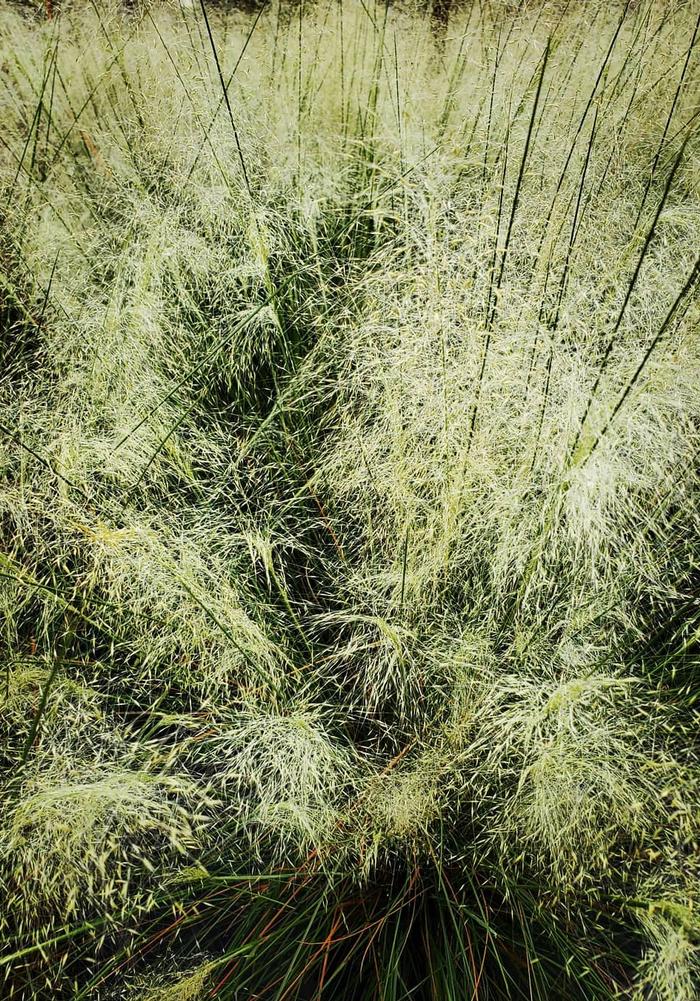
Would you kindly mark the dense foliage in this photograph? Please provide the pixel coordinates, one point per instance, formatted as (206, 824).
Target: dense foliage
(349, 501)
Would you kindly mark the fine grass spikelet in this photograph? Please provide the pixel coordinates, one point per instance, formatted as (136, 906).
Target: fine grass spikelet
(288, 774)
(670, 967)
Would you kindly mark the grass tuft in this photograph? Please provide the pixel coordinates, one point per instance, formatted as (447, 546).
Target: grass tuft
(349, 500)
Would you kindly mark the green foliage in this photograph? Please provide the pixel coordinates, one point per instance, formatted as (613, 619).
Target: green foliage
(349, 501)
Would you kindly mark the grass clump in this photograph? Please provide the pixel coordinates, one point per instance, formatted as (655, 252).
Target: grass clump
(75, 842)
(349, 500)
